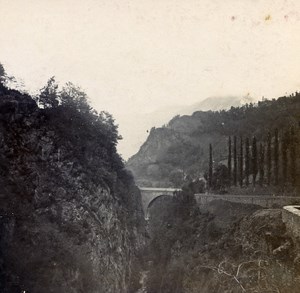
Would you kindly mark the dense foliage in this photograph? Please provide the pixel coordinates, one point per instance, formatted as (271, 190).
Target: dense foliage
(84, 128)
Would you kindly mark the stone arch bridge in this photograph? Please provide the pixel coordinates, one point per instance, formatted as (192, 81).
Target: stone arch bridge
(149, 194)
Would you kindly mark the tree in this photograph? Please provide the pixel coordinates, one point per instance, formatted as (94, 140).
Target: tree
(247, 161)
(220, 178)
(254, 160)
(276, 157)
(293, 156)
(284, 157)
(73, 96)
(193, 187)
(2, 74)
(10, 82)
(241, 162)
(106, 122)
(261, 164)
(210, 168)
(229, 159)
(234, 161)
(269, 158)
(48, 97)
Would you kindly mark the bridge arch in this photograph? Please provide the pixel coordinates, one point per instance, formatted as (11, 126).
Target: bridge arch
(157, 198)
(149, 194)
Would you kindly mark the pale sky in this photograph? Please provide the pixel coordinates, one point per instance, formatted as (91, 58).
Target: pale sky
(139, 56)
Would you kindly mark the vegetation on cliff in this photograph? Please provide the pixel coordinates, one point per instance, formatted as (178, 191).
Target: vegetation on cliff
(70, 214)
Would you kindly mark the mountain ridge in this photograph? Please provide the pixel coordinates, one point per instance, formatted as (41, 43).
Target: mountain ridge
(143, 122)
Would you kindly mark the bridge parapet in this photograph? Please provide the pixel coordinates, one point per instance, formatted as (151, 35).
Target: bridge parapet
(266, 201)
(291, 218)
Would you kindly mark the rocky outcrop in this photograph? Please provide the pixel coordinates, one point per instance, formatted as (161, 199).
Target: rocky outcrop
(70, 215)
(180, 147)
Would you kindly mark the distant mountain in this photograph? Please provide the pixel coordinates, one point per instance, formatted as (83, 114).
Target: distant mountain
(179, 150)
(143, 122)
(218, 103)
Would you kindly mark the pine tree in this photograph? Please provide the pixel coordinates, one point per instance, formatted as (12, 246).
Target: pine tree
(276, 157)
(241, 163)
(261, 164)
(247, 161)
(293, 157)
(254, 160)
(229, 160)
(234, 161)
(210, 169)
(269, 158)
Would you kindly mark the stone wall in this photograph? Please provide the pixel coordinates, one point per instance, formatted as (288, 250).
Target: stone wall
(291, 218)
(266, 201)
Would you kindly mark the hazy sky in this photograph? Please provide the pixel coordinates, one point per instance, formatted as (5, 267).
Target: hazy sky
(138, 56)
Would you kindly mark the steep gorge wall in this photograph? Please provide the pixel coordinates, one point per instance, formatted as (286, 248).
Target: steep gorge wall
(70, 216)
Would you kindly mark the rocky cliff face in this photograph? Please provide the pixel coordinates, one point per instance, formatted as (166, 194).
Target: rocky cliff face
(178, 149)
(70, 215)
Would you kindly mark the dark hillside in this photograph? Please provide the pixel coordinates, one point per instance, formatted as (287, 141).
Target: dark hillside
(179, 151)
